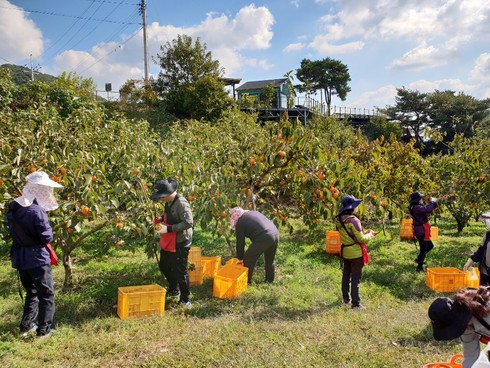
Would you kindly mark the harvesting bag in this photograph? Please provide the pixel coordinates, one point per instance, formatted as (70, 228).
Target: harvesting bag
(52, 255)
(168, 241)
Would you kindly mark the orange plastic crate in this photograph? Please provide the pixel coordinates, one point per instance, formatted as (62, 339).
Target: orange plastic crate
(231, 261)
(406, 229)
(445, 279)
(194, 257)
(472, 278)
(195, 276)
(332, 243)
(140, 301)
(434, 232)
(230, 281)
(210, 265)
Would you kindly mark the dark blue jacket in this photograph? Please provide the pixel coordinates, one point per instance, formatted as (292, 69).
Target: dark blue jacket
(419, 215)
(30, 230)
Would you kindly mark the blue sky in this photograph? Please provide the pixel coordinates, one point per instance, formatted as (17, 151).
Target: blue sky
(387, 44)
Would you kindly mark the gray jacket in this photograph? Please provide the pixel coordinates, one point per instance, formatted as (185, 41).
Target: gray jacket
(471, 341)
(179, 216)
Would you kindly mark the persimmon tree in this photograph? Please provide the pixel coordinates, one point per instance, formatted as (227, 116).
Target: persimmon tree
(104, 164)
(464, 178)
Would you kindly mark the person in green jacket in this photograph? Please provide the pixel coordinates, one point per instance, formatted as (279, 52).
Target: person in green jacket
(353, 250)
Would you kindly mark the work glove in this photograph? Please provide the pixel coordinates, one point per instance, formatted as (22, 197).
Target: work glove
(157, 220)
(468, 264)
(433, 200)
(371, 235)
(161, 229)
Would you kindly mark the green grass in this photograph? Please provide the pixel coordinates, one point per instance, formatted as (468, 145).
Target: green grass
(296, 322)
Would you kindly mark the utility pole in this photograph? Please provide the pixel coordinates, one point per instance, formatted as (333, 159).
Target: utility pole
(32, 71)
(145, 41)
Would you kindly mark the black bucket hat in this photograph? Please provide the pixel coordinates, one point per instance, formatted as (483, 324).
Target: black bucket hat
(163, 188)
(415, 197)
(449, 319)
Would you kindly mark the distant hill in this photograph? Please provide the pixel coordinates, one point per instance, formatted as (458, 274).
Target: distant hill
(22, 75)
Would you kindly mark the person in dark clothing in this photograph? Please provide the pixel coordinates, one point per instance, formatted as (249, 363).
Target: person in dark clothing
(482, 254)
(176, 228)
(421, 225)
(264, 238)
(30, 254)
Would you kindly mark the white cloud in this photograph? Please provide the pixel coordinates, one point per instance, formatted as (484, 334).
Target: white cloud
(295, 3)
(19, 36)
(322, 45)
(424, 57)
(292, 47)
(226, 37)
(481, 70)
(381, 97)
(445, 24)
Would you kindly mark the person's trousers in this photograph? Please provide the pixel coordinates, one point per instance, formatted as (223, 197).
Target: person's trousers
(39, 302)
(266, 245)
(174, 267)
(425, 247)
(351, 278)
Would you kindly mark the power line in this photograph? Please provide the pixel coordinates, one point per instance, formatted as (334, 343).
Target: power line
(110, 38)
(68, 30)
(111, 2)
(109, 53)
(68, 15)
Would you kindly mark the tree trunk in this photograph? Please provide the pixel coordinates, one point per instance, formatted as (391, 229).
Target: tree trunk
(460, 225)
(68, 268)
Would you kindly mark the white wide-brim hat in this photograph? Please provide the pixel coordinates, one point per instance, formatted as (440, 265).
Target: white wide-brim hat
(41, 178)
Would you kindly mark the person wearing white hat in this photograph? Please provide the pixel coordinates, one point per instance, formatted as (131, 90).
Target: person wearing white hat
(482, 254)
(31, 252)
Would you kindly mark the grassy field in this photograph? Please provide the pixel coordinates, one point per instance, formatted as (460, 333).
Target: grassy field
(296, 322)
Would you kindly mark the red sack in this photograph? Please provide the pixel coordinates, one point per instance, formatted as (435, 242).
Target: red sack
(52, 255)
(426, 227)
(365, 255)
(484, 339)
(168, 241)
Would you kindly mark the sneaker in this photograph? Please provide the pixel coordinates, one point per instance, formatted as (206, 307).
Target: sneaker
(346, 303)
(46, 335)
(186, 304)
(358, 307)
(174, 293)
(27, 332)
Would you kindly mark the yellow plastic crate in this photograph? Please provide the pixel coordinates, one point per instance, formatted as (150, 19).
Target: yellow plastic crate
(140, 301)
(210, 265)
(230, 281)
(406, 229)
(332, 243)
(195, 276)
(445, 279)
(472, 278)
(194, 257)
(434, 232)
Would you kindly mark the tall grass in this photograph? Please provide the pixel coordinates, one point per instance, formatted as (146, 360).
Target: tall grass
(298, 321)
